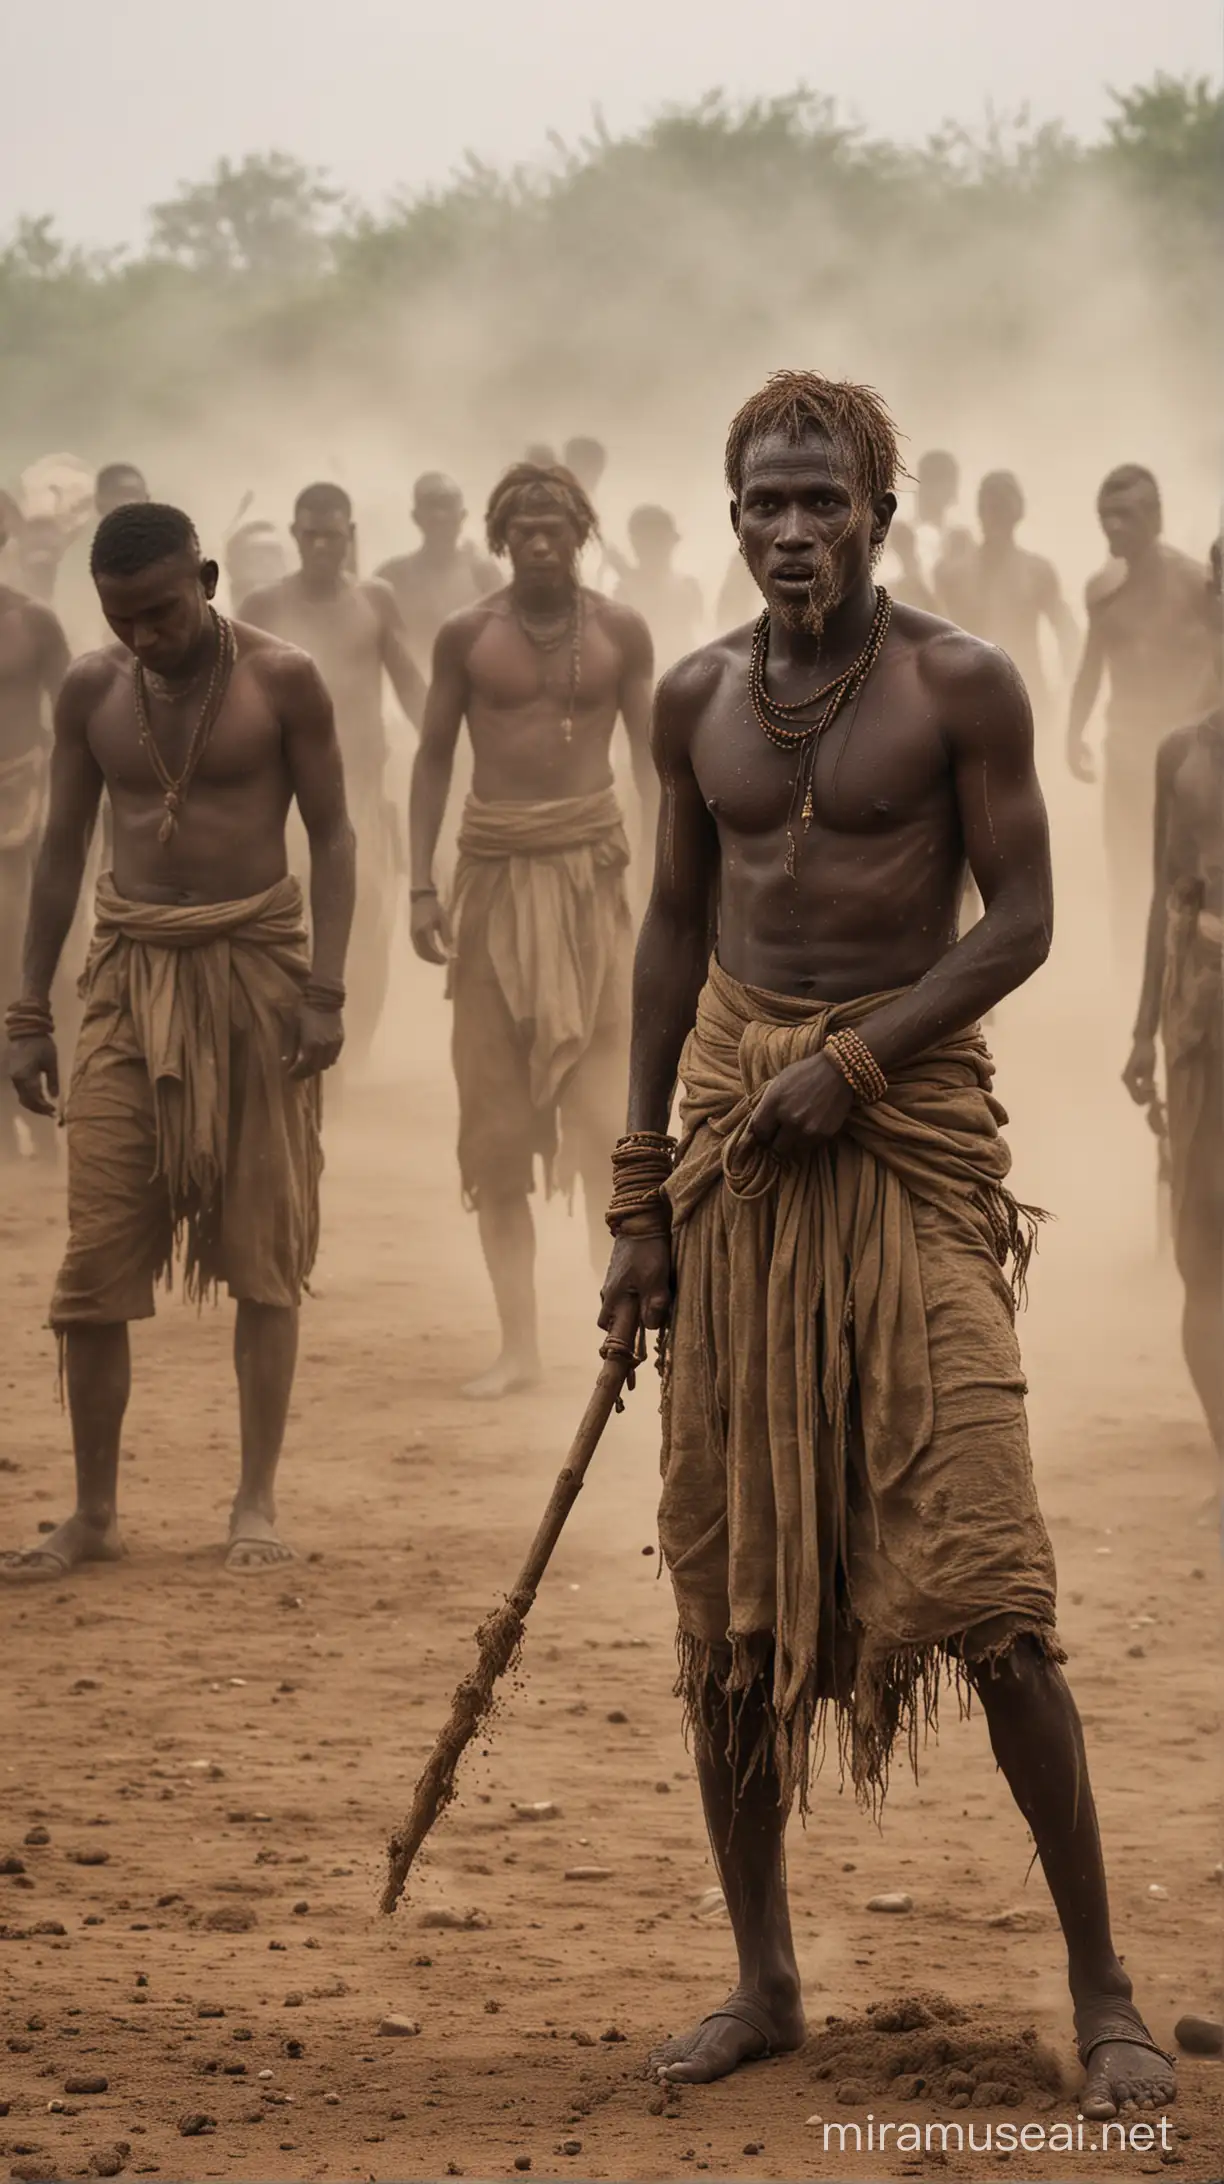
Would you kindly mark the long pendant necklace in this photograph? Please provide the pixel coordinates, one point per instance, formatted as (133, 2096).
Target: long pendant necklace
(777, 720)
(574, 631)
(175, 788)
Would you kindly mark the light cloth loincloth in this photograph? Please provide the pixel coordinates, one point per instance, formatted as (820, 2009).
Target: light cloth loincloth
(1192, 1032)
(540, 983)
(187, 1137)
(848, 1505)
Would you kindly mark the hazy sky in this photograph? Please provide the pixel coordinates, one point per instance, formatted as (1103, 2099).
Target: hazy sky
(108, 107)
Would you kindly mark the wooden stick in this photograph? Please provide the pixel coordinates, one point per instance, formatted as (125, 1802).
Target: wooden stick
(501, 1634)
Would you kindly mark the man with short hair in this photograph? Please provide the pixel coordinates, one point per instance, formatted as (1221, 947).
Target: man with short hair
(540, 670)
(353, 631)
(848, 1505)
(445, 574)
(34, 659)
(1182, 999)
(669, 603)
(119, 485)
(1003, 593)
(1146, 632)
(193, 1112)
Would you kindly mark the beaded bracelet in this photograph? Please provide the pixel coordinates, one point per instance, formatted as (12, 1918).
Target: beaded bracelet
(28, 1019)
(858, 1066)
(642, 1161)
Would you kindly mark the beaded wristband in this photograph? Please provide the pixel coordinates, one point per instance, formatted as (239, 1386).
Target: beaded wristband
(26, 1019)
(858, 1066)
(641, 1164)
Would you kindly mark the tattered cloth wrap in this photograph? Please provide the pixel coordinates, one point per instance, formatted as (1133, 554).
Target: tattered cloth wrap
(185, 1130)
(23, 783)
(848, 1504)
(543, 938)
(1192, 1031)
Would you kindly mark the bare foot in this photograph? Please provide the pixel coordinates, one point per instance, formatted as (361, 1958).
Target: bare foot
(254, 1545)
(75, 1541)
(1125, 2068)
(508, 1376)
(745, 2030)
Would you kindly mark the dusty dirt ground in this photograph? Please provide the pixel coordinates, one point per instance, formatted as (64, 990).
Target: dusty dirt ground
(216, 1762)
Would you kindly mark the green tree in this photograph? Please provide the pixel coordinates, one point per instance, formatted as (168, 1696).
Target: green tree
(266, 215)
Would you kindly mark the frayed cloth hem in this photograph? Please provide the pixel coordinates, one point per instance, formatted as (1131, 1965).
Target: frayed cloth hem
(731, 1691)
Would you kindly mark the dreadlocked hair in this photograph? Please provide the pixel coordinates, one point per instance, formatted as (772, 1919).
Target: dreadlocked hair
(528, 487)
(795, 404)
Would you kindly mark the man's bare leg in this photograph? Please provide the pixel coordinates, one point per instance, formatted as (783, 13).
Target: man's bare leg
(747, 1829)
(1201, 1265)
(98, 1372)
(1037, 1740)
(507, 1239)
(265, 1357)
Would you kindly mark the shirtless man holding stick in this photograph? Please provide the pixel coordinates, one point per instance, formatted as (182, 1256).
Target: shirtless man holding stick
(848, 1505)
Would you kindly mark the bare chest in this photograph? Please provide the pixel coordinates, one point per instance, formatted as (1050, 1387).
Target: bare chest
(243, 745)
(342, 636)
(878, 767)
(510, 673)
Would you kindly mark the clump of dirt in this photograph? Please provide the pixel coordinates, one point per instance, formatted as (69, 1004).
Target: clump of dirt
(922, 2047)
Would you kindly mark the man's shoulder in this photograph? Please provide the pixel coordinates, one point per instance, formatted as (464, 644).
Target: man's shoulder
(951, 661)
(274, 660)
(262, 606)
(688, 687)
(92, 675)
(1103, 585)
(37, 615)
(624, 623)
(1189, 574)
(396, 569)
(379, 594)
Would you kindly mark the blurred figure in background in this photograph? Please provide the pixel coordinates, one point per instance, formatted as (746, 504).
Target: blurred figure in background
(1000, 591)
(587, 459)
(255, 555)
(52, 506)
(33, 662)
(939, 540)
(906, 581)
(118, 485)
(445, 573)
(738, 598)
(1182, 999)
(353, 632)
(670, 604)
(538, 937)
(1148, 635)
(602, 564)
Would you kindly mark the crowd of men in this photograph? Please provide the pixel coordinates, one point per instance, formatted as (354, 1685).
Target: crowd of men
(820, 782)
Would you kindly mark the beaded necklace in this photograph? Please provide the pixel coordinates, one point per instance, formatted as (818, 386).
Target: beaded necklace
(174, 790)
(573, 630)
(777, 720)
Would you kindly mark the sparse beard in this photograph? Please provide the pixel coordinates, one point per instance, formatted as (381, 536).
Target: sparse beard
(824, 592)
